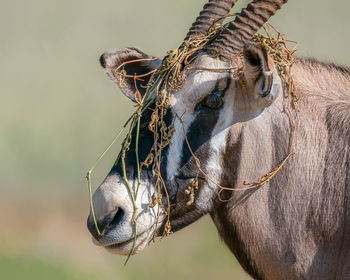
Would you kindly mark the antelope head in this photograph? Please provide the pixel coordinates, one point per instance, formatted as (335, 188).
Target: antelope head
(229, 82)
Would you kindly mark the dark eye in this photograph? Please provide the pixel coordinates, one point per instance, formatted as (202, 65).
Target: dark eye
(213, 100)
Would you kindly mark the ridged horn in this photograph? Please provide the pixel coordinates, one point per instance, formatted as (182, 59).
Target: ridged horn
(243, 27)
(212, 10)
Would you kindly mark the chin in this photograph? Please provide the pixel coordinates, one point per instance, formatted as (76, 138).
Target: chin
(124, 248)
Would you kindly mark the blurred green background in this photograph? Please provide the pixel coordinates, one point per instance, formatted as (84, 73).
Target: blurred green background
(58, 112)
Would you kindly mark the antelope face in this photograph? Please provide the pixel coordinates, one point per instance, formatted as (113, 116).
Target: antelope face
(217, 94)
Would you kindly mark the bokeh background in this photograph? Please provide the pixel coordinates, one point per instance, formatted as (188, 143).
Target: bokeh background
(58, 112)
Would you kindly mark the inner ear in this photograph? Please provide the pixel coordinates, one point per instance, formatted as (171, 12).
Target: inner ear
(130, 69)
(258, 70)
(252, 57)
(256, 59)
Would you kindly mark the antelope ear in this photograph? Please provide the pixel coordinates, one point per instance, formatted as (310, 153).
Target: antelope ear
(260, 74)
(123, 65)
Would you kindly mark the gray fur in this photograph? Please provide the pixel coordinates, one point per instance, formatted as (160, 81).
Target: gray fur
(298, 225)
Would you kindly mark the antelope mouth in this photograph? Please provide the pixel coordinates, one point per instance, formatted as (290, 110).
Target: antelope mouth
(119, 244)
(124, 247)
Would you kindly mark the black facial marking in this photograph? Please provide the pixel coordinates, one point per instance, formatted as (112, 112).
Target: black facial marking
(168, 120)
(146, 141)
(200, 131)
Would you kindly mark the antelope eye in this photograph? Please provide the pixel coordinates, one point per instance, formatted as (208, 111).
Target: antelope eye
(213, 100)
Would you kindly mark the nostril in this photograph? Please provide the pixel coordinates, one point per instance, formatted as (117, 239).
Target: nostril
(111, 220)
(117, 218)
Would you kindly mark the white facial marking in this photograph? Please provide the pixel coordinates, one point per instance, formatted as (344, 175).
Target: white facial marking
(175, 149)
(229, 115)
(214, 163)
(198, 84)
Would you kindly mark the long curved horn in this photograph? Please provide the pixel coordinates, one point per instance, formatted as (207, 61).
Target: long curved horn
(242, 29)
(213, 10)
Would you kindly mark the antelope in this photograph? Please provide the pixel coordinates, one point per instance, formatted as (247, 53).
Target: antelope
(297, 225)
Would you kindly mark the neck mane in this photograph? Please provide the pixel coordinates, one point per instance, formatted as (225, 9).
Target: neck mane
(328, 81)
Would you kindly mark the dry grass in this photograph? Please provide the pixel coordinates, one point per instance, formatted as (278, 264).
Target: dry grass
(58, 111)
(166, 80)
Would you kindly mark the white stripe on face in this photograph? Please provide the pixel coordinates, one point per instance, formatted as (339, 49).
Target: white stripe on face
(217, 146)
(198, 84)
(175, 148)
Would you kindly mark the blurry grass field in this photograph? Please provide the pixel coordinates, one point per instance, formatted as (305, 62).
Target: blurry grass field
(19, 267)
(58, 112)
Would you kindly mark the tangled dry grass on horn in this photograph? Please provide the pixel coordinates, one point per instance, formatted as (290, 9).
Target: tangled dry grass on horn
(167, 79)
